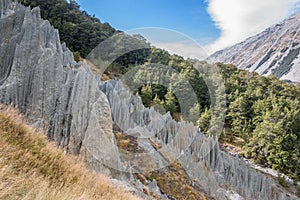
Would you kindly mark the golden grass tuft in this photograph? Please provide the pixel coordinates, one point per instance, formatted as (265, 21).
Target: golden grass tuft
(173, 181)
(32, 168)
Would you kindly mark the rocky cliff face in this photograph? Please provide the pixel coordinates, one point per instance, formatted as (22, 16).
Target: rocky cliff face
(221, 175)
(40, 77)
(275, 51)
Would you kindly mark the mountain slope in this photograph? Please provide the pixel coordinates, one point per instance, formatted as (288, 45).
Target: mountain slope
(32, 168)
(274, 51)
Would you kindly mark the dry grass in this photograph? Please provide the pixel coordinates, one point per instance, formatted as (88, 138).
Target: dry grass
(97, 71)
(32, 168)
(173, 181)
(128, 143)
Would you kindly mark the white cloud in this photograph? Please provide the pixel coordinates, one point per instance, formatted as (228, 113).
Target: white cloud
(239, 19)
(188, 49)
(173, 41)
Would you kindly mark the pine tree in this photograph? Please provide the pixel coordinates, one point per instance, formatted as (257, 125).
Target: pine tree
(194, 113)
(170, 102)
(146, 95)
(158, 105)
(204, 120)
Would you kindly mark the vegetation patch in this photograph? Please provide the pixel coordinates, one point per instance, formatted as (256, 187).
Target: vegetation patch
(173, 181)
(32, 168)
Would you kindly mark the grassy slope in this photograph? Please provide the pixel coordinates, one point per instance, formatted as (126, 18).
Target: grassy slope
(32, 168)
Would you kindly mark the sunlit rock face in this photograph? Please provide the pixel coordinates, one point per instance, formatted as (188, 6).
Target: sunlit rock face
(39, 76)
(221, 175)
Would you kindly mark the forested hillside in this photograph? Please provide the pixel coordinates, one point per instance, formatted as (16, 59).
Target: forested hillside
(81, 31)
(263, 112)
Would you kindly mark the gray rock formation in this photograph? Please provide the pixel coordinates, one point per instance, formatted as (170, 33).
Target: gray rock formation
(221, 175)
(130, 116)
(274, 51)
(40, 77)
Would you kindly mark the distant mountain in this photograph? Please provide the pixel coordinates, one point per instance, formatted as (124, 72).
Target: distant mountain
(274, 51)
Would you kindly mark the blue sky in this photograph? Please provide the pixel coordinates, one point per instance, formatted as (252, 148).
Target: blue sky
(188, 17)
(213, 24)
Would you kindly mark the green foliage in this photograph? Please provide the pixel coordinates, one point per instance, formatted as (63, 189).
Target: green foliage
(298, 189)
(158, 105)
(264, 111)
(204, 120)
(76, 56)
(240, 116)
(198, 84)
(194, 113)
(170, 102)
(282, 181)
(80, 31)
(146, 95)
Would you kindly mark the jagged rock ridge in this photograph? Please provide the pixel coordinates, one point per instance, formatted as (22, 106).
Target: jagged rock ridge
(274, 51)
(40, 77)
(221, 175)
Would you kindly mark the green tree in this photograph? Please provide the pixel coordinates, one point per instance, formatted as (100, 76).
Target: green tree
(194, 113)
(159, 105)
(239, 116)
(204, 120)
(170, 102)
(146, 95)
